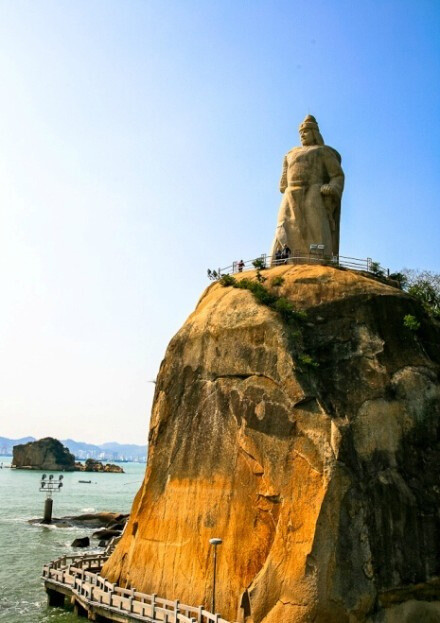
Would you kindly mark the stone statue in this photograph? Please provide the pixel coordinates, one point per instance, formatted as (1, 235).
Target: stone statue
(312, 182)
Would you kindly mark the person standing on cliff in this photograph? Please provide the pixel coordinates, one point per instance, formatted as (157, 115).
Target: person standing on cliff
(312, 182)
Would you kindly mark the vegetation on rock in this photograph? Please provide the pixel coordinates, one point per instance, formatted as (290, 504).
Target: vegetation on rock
(424, 286)
(411, 322)
(291, 317)
(48, 454)
(264, 296)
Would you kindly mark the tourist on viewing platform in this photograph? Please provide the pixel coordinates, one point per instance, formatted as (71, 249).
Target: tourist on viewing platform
(285, 253)
(240, 266)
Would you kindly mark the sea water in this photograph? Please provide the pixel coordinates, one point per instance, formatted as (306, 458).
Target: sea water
(25, 548)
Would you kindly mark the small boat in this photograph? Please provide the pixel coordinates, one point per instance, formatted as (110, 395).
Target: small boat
(87, 482)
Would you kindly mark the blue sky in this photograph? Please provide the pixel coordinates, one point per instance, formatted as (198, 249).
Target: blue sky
(142, 141)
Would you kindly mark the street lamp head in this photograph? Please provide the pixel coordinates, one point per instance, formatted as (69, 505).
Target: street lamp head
(215, 541)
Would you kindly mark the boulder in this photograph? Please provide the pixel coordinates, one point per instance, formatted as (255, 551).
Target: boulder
(93, 520)
(105, 535)
(81, 542)
(92, 465)
(113, 469)
(311, 447)
(45, 454)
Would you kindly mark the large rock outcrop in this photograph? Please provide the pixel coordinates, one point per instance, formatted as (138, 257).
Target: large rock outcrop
(47, 454)
(323, 482)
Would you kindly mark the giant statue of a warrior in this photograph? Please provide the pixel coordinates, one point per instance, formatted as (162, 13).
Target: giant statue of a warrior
(312, 182)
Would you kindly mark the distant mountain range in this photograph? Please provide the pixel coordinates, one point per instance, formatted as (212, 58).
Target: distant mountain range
(107, 451)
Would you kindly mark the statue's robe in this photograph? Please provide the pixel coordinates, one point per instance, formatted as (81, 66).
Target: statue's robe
(306, 216)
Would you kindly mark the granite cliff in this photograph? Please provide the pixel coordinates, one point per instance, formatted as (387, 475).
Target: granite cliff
(312, 452)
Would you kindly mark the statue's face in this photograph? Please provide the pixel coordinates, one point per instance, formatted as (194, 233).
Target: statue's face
(307, 137)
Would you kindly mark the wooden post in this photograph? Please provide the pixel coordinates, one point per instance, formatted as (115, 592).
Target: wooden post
(199, 614)
(79, 610)
(153, 605)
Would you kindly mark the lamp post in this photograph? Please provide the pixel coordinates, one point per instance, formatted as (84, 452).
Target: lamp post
(49, 486)
(215, 542)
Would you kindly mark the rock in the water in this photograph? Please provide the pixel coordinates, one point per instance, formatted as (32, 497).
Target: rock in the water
(92, 465)
(45, 454)
(81, 542)
(94, 520)
(311, 450)
(105, 535)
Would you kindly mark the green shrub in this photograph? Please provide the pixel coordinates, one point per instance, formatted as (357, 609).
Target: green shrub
(284, 307)
(306, 360)
(299, 315)
(228, 280)
(428, 295)
(259, 263)
(401, 278)
(376, 269)
(277, 281)
(260, 277)
(262, 295)
(410, 322)
(423, 285)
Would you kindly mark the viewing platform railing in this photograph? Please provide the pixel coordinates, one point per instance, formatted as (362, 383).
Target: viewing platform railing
(267, 261)
(78, 577)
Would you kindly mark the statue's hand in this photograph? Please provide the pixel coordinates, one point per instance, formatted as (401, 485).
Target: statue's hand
(327, 189)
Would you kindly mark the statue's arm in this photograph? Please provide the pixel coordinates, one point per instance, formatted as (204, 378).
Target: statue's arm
(335, 185)
(283, 180)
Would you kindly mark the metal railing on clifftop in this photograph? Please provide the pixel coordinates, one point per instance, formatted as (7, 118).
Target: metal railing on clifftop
(268, 261)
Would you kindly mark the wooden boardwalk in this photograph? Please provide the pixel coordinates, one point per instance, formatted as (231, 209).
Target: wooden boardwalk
(77, 577)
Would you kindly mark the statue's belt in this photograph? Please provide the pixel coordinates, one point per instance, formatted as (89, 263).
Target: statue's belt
(303, 184)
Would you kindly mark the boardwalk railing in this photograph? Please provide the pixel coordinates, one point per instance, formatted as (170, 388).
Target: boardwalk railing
(79, 576)
(266, 261)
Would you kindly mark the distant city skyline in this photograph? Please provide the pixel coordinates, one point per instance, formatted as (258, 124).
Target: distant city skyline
(142, 143)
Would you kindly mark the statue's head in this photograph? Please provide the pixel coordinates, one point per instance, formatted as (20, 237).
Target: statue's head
(309, 132)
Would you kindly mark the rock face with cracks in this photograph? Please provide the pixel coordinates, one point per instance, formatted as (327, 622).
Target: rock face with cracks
(322, 480)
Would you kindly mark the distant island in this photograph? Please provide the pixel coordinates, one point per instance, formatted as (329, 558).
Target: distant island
(51, 455)
(111, 451)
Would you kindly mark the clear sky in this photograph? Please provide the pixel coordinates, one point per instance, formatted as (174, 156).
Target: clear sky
(141, 142)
